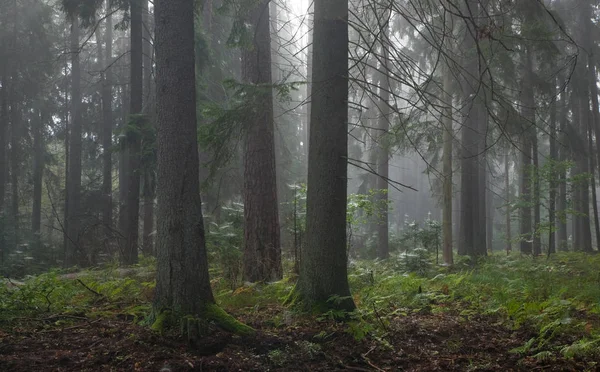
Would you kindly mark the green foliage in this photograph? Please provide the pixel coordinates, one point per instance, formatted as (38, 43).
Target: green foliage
(551, 297)
(224, 244)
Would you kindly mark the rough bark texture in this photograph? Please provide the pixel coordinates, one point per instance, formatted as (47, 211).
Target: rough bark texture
(323, 269)
(182, 284)
(262, 250)
(447, 171)
(383, 155)
(72, 253)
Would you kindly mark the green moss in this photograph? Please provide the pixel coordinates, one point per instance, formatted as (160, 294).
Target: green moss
(161, 321)
(224, 320)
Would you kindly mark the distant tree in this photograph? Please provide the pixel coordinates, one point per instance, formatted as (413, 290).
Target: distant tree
(262, 250)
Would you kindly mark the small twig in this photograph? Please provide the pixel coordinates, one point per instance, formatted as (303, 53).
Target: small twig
(47, 295)
(379, 319)
(89, 289)
(371, 364)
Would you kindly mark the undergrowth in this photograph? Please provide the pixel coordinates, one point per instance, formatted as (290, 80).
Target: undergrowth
(557, 300)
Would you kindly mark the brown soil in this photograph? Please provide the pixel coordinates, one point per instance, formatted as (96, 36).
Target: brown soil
(416, 342)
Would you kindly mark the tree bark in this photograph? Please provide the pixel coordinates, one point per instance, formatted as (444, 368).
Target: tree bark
(383, 153)
(528, 114)
(262, 250)
(107, 118)
(182, 283)
(323, 268)
(149, 171)
(508, 201)
(129, 253)
(553, 175)
(38, 171)
(73, 252)
(447, 169)
(3, 131)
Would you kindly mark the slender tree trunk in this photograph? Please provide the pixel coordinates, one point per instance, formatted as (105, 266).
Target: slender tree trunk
(149, 171)
(73, 250)
(561, 203)
(107, 118)
(182, 283)
(553, 176)
(133, 139)
(323, 268)
(15, 161)
(262, 250)
(593, 184)
(508, 201)
(489, 216)
(528, 113)
(447, 170)
(38, 171)
(537, 239)
(3, 131)
(383, 155)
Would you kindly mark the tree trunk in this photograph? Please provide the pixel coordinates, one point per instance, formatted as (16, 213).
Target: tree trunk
(447, 169)
(149, 171)
(537, 239)
(3, 131)
(182, 283)
(528, 114)
(73, 252)
(561, 203)
(508, 201)
(470, 198)
(38, 171)
(262, 250)
(383, 154)
(323, 268)
(553, 175)
(129, 253)
(107, 118)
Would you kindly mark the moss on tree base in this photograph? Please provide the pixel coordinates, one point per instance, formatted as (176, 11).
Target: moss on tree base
(194, 327)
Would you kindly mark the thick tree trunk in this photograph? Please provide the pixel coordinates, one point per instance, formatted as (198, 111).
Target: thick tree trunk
(73, 252)
(323, 268)
(262, 250)
(182, 283)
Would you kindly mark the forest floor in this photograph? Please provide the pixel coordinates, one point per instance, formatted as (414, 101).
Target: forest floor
(99, 327)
